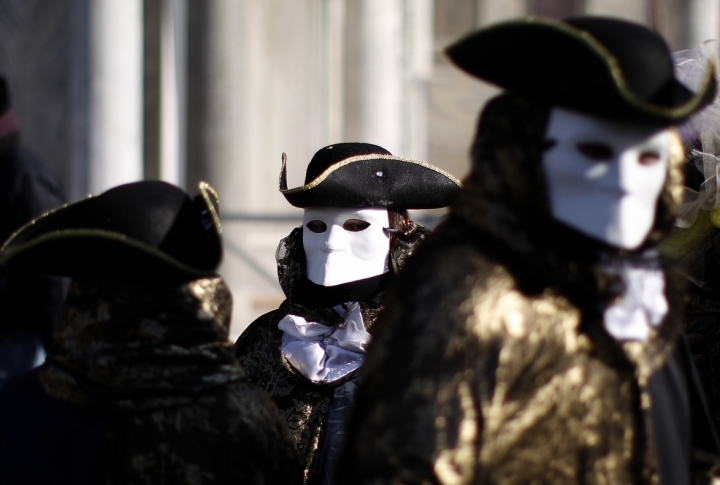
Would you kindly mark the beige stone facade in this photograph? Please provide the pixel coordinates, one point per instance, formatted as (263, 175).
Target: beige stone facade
(228, 85)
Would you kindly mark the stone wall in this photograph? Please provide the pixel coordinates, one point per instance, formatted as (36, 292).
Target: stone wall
(262, 77)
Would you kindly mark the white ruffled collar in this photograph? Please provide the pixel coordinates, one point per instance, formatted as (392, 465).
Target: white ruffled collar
(323, 353)
(642, 306)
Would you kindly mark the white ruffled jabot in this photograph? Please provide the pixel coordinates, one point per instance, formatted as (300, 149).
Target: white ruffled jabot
(324, 353)
(642, 306)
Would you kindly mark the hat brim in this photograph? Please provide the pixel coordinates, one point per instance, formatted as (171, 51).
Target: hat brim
(561, 65)
(376, 181)
(56, 244)
(97, 255)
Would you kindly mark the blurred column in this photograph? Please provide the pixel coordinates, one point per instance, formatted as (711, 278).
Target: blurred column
(381, 73)
(492, 11)
(637, 10)
(418, 72)
(173, 90)
(116, 93)
(389, 65)
(333, 19)
(670, 19)
(271, 74)
(556, 9)
(703, 21)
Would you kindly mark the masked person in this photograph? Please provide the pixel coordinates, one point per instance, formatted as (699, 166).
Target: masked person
(140, 384)
(535, 337)
(694, 242)
(334, 269)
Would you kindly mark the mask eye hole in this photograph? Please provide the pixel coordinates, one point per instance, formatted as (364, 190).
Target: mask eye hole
(316, 226)
(649, 158)
(595, 151)
(355, 225)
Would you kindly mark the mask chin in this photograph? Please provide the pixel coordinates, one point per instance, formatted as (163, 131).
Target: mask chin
(336, 252)
(603, 177)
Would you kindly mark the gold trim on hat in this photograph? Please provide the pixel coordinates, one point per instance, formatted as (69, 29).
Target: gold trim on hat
(212, 201)
(616, 72)
(43, 216)
(65, 234)
(358, 158)
(208, 193)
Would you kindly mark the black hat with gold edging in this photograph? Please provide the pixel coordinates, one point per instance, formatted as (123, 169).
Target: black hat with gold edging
(148, 230)
(366, 175)
(600, 66)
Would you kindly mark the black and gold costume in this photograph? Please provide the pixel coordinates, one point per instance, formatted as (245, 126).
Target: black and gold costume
(490, 362)
(150, 368)
(140, 385)
(304, 403)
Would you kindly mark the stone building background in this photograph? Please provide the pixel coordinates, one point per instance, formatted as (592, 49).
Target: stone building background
(111, 91)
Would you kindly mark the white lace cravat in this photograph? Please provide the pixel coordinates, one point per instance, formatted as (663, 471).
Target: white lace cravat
(642, 306)
(324, 353)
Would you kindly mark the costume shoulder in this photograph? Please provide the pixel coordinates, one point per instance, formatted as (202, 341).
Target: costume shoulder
(233, 434)
(303, 404)
(432, 371)
(421, 354)
(262, 449)
(264, 324)
(258, 350)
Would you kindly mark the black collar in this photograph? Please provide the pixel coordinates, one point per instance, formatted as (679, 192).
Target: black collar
(312, 295)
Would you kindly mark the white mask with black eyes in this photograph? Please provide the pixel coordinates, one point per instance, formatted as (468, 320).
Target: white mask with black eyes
(345, 244)
(603, 177)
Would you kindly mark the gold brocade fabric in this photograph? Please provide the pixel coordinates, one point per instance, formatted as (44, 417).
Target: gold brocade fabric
(490, 363)
(504, 389)
(126, 346)
(303, 403)
(153, 361)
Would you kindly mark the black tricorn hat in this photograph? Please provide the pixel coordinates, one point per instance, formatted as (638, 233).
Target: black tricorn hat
(365, 175)
(147, 230)
(599, 66)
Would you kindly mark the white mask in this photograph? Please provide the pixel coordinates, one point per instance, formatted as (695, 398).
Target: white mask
(604, 177)
(337, 248)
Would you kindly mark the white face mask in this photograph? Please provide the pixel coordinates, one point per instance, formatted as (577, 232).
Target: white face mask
(604, 177)
(344, 245)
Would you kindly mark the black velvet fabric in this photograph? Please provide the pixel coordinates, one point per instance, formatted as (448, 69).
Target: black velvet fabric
(643, 56)
(556, 63)
(332, 154)
(159, 221)
(394, 184)
(144, 212)
(310, 294)
(677, 399)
